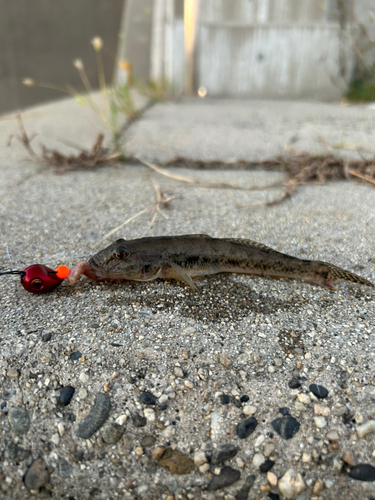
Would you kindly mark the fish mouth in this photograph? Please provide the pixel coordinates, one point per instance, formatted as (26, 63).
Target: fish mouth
(99, 273)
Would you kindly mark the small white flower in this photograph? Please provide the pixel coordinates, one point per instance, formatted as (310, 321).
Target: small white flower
(97, 43)
(78, 63)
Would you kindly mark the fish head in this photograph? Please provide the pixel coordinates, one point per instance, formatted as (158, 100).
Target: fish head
(116, 261)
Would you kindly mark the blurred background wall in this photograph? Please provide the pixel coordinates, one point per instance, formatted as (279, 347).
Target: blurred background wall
(41, 38)
(238, 48)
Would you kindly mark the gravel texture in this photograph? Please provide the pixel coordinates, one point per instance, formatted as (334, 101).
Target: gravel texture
(156, 360)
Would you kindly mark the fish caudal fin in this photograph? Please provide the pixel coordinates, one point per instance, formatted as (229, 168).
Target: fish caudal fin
(336, 274)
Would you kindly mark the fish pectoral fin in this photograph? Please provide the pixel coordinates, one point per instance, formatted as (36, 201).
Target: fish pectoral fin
(179, 273)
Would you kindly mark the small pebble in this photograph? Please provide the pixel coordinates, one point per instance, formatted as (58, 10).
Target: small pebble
(328, 483)
(366, 428)
(224, 399)
(157, 453)
(273, 496)
(304, 398)
(265, 488)
(284, 410)
(98, 415)
(226, 477)
(306, 458)
(244, 399)
(200, 458)
(320, 422)
(64, 469)
(300, 406)
(247, 427)
(294, 383)
(178, 372)
(363, 472)
(8, 394)
(75, 356)
(13, 373)
(84, 378)
(243, 492)
(138, 451)
(322, 410)
(318, 390)
(332, 435)
(266, 465)
(318, 487)
(258, 459)
(149, 413)
(259, 440)
(19, 420)
(66, 395)
(222, 453)
(138, 420)
(225, 362)
(189, 384)
(272, 478)
(349, 458)
(61, 428)
(46, 337)
(204, 468)
(82, 393)
(163, 399)
(111, 433)
(147, 398)
(291, 484)
(202, 373)
(286, 427)
(121, 419)
(15, 453)
(148, 441)
(237, 403)
(268, 449)
(36, 475)
(249, 410)
(176, 461)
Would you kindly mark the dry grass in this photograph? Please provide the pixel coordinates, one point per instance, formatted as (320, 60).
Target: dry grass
(300, 168)
(84, 160)
(303, 168)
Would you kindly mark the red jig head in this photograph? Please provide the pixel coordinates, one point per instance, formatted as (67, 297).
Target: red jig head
(41, 279)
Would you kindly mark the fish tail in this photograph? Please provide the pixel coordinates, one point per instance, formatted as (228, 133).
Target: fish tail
(336, 274)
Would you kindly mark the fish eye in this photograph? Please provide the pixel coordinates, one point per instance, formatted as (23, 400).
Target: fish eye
(36, 283)
(121, 253)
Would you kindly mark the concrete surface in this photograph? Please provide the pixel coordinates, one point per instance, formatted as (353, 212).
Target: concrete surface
(240, 336)
(252, 130)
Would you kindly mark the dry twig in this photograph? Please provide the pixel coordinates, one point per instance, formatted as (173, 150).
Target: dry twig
(161, 200)
(189, 180)
(86, 160)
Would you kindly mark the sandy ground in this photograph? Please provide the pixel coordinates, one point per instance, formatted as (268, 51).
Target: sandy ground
(173, 373)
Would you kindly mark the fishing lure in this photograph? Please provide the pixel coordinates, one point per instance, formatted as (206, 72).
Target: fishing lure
(41, 279)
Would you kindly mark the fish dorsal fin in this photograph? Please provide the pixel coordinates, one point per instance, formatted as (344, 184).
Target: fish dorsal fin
(194, 236)
(252, 243)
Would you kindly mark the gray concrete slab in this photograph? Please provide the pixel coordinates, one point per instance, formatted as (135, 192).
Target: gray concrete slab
(253, 130)
(240, 336)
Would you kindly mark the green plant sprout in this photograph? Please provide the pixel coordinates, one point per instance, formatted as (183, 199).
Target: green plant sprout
(117, 100)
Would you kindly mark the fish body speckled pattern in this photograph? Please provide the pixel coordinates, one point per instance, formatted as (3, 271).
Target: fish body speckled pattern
(190, 256)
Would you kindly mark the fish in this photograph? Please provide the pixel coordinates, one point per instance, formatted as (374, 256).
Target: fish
(191, 256)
